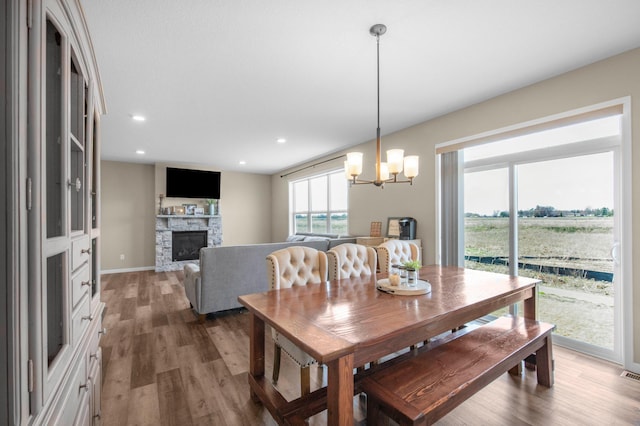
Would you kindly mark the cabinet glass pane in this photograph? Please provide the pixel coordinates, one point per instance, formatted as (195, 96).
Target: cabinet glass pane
(54, 295)
(53, 140)
(77, 102)
(77, 189)
(94, 176)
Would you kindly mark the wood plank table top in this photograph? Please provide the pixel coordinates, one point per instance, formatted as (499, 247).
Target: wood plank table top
(347, 323)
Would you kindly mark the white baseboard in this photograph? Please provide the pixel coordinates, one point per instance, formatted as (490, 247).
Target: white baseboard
(119, 271)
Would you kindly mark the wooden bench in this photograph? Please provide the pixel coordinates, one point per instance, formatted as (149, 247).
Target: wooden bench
(423, 388)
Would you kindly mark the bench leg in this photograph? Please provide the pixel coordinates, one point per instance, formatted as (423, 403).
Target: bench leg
(305, 380)
(374, 415)
(544, 363)
(516, 370)
(277, 354)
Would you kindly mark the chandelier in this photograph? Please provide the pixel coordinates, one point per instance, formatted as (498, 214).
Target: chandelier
(396, 161)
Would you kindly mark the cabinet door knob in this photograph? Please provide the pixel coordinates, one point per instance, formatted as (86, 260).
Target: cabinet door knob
(77, 184)
(86, 385)
(83, 283)
(103, 332)
(93, 356)
(87, 250)
(97, 416)
(90, 318)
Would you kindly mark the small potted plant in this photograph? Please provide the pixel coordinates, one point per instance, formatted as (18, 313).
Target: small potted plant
(412, 267)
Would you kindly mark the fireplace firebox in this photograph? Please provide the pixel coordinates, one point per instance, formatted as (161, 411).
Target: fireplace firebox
(186, 245)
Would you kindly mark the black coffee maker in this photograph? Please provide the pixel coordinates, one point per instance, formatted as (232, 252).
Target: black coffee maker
(407, 228)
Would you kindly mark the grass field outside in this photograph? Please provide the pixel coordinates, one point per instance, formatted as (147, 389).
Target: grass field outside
(582, 309)
(338, 223)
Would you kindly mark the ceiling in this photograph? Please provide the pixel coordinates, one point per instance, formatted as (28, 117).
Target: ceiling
(220, 81)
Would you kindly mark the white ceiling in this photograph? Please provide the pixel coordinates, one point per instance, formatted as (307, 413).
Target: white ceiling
(219, 81)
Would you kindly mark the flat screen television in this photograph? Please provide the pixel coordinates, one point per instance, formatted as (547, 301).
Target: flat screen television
(188, 183)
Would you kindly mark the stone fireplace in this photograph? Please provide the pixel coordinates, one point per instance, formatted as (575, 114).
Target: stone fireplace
(188, 232)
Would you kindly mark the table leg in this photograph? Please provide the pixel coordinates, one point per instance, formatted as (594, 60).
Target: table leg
(544, 364)
(530, 312)
(340, 391)
(530, 305)
(256, 349)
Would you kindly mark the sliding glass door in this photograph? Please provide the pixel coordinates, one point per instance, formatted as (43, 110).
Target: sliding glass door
(544, 206)
(567, 240)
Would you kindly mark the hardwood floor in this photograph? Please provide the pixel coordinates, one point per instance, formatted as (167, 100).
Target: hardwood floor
(161, 367)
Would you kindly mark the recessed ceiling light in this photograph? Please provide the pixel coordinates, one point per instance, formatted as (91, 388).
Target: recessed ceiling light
(281, 140)
(139, 151)
(138, 118)
(242, 162)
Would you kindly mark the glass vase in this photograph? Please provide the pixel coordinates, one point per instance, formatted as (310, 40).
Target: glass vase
(412, 277)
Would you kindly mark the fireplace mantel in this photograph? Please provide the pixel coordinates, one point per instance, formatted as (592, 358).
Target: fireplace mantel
(166, 224)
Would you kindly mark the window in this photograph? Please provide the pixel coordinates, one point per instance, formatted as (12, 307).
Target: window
(319, 204)
(541, 204)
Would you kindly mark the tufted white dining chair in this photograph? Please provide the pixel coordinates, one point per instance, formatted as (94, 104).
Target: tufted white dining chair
(289, 267)
(393, 252)
(351, 260)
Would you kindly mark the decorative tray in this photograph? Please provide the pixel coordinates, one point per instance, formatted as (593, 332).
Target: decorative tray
(421, 287)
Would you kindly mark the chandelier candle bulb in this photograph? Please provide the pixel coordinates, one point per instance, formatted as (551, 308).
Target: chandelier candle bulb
(354, 160)
(394, 160)
(346, 170)
(411, 166)
(384, 171)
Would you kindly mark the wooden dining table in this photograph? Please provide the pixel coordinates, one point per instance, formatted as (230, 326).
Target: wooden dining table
(348, 323)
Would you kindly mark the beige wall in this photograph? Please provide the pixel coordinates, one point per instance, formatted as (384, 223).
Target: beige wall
(245, 204)
(128, 216)
(603, 81)
(130, 203)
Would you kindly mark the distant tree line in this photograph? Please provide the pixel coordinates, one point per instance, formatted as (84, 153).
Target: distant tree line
(549, 211)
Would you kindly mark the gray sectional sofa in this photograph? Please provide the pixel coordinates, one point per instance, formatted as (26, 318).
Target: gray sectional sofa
(226, 272)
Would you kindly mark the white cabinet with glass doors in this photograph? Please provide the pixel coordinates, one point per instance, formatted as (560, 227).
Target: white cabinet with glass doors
(65, 311)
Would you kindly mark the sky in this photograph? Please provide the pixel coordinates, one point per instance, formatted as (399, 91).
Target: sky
(565, 184)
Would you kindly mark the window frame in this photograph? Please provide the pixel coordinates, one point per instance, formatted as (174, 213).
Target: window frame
(309, 212)
(449, 217)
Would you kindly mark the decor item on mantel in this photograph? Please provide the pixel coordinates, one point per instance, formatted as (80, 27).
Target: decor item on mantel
(395, 157)
(161, 197)
(189, 208)
(212, 206)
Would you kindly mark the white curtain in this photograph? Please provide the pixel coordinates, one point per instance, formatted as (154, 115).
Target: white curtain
(452, 209)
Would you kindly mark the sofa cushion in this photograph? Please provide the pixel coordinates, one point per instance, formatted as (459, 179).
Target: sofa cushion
(316, 238)
(314, 234)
